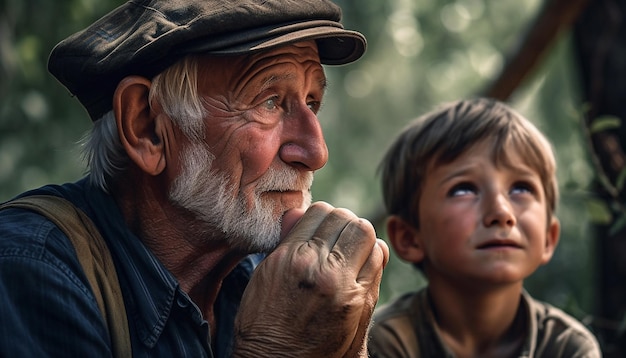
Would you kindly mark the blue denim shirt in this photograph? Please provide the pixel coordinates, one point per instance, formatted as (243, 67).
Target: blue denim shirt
(47, 308)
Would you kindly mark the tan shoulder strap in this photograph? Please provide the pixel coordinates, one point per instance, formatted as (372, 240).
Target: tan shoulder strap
(94, 257)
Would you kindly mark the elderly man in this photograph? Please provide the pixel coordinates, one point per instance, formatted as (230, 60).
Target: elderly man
(203, 150)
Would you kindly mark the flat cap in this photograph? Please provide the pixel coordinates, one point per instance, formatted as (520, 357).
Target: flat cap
(144, 37)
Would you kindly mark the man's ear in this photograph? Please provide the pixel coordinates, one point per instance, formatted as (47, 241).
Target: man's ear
(138, 126)
(552, 239)
(405, 239)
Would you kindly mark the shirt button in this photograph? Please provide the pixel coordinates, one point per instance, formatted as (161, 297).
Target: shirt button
(182, 302)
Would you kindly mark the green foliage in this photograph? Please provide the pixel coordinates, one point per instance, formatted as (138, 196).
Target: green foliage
(599, 212)
(604, 123)
(39, 121)
(420, 53)
(618, 225)
(613, 212)
(621, 178)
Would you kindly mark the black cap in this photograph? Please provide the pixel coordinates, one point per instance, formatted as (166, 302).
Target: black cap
(145, 37)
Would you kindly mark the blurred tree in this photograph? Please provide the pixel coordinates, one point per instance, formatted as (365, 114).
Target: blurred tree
(600, 37)
(420, 53)
(599, 33)
(39, 121)
(540, 79)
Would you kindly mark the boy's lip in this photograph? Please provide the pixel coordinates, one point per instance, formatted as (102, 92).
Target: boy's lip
(499, 244)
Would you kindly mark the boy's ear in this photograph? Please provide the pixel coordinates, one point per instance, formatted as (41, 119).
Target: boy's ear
(405, 239)
(138, 126)
(552, 239)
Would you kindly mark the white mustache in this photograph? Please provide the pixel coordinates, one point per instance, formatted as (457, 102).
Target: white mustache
(284, 179)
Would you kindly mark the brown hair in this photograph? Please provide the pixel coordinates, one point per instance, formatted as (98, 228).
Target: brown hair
(442, 135)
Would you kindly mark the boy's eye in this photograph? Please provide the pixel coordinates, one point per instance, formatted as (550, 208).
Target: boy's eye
(462, 189)
(522, 187)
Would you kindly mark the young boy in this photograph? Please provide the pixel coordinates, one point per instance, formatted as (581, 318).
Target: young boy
(471, 192)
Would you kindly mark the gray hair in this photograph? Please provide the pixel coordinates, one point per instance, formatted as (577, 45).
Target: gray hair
(176, 89)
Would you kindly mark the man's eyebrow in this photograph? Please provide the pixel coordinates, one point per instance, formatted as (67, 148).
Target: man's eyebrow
(323, 82)
(271, 80)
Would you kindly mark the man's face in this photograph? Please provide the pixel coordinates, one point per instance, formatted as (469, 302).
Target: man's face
(262, 143)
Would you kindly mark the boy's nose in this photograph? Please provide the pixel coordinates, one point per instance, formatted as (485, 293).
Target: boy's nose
(498, 212)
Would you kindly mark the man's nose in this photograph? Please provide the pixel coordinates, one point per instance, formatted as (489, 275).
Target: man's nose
(304, 145)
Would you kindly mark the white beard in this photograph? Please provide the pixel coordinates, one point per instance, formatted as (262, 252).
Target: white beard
(206, 193)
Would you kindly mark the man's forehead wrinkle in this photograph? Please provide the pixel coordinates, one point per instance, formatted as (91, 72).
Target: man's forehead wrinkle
(250, 71)
(270, 80)
(266, 72)
(292, 54)
(220, 104)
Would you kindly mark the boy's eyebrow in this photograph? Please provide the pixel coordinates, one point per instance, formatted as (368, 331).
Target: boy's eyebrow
(457, 172)
(527, 172)
(519, 169)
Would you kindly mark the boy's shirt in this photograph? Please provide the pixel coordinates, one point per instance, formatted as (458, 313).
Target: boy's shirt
(406, 328)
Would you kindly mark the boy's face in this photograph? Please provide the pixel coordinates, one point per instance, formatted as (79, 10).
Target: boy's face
(482, 223)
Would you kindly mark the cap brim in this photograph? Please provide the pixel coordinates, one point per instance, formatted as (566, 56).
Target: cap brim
(336, 45)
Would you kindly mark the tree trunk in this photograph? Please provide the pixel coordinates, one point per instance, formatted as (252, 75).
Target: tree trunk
(600, 40)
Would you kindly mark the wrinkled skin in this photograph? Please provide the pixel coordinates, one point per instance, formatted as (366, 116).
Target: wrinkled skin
(315, 293)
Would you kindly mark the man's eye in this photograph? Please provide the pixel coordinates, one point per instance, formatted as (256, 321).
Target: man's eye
(314, 106)
(270, 103)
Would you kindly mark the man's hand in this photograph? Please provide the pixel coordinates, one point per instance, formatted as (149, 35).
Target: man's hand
(314, 295)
